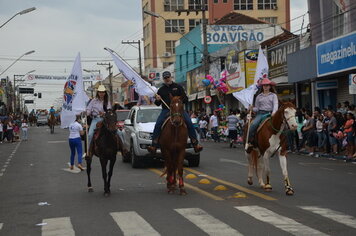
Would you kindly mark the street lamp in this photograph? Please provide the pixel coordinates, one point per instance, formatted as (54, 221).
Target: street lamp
(25, 54)
(20, 13)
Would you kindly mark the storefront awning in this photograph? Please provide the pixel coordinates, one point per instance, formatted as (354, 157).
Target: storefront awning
(192, 97)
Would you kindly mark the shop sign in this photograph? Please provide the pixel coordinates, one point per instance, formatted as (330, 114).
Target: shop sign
(328, 84)
(192, 97)
(201, 94)
(250, 64)
(336, 55)
(207, 99)
(194, 80)
(277, 57)
(230, 34)
(352, 84)
(235, 68)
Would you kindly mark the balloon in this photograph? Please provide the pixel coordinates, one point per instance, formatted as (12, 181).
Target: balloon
(206, 82)
(210, 78)
(221, 106)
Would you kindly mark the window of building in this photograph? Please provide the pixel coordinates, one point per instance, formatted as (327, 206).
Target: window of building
(147, 51)
(195, 55)
(243, 4)
(193, 23)
(172, 26)
(170, 46)
(180, 62)
(272, 20)
(338, 21)
(267, 4)
(224, 1)
(216, 1)
(166, 64)
(196, 4)
(145, 8)
(187, 58)
(146, 31)
(173, 5)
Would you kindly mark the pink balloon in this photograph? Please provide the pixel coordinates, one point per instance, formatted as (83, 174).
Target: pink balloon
(210, 78)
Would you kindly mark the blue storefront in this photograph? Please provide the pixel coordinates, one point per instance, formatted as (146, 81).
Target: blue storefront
(326, 68)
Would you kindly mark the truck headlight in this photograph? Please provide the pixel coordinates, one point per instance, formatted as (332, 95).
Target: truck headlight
(144, 135)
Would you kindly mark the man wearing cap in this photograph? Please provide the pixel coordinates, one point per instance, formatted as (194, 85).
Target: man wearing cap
(52, 110)
(266, 103)
(96, 109)
(169, 87)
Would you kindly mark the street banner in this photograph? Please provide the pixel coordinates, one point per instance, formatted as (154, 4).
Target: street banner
(245, 96)
(235, 67)
(32, 77)
(141, 86)
(74, 96)
(250, 64)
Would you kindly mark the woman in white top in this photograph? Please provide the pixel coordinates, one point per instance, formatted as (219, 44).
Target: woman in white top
(24, 128)
(75, 142)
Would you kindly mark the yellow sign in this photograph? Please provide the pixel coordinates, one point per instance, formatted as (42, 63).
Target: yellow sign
(251, 63)
(235, 67)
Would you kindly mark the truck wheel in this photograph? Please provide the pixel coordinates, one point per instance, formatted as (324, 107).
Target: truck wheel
(135, 160)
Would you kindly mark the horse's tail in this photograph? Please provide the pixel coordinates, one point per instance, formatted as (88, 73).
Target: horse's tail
(254, 157)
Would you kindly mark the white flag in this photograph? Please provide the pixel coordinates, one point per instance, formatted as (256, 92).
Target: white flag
(141, 86)
(245, 96)
(74, 97)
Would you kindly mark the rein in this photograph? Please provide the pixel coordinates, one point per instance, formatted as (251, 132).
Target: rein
(285, 125)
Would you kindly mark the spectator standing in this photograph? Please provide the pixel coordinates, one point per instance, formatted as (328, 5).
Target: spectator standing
(75, 142)
(349, 131)
(203, 124)
(309, 132)
(214, 124)
(10, 131)
(1, 130)
(332, 127)
(232, 122)
(24, 128)
(320, 133)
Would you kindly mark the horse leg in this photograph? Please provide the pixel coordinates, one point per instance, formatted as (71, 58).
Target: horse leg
(111, 168)
(88, 161)
(259, 172)
(103, 163)
(250, 168)
(180, 172)
(266, 156)
(283, 162)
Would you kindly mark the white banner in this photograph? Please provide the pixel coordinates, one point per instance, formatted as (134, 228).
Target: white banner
(32, 77)
(141, 86)
(74, 97)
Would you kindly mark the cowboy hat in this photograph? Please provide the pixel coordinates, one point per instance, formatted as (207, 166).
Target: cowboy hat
(266, 81)
(101, 88)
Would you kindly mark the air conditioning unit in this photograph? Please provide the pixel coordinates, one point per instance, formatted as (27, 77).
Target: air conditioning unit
(274, 7)
(166, 2)
(182, 31)
(167, 54)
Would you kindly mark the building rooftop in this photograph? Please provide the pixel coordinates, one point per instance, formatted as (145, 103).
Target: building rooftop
(234, 18)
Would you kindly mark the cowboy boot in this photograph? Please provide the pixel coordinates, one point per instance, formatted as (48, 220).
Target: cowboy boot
(197, 147)
(153, 149)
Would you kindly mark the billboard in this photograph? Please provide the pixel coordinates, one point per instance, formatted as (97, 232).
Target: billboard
(194, 80)
(235, 68)
(336, 55)
(250, 65)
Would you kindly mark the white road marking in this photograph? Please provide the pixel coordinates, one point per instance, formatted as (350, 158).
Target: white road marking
(206, 222)
(57, 226)
(5, 166)
(333, 215)
(1, 224)
(57, 141)
(132, 224)
(3, 170)
(281, 222)
(1, 174)
(233, 161)
(323, 168)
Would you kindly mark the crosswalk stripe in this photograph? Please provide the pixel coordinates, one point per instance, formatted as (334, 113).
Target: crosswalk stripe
(132, 223)
(278, 221)
(206, 222)
(57, 226)
(1, 224)
(333, 215)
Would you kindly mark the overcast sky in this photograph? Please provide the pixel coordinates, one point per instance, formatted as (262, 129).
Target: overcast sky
(59, 29)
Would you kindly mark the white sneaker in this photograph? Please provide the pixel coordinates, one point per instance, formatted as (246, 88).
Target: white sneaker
(311, 154)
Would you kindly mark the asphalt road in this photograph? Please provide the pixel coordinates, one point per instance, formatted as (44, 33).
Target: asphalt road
(40, 196)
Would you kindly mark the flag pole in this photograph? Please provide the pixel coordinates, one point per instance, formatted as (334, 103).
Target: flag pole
(112, 51)
(248, 129)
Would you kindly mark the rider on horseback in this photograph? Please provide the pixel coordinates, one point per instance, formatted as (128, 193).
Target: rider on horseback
(169, 87)
(266, 104)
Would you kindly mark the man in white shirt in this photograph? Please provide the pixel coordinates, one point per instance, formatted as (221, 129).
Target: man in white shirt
(214, 124)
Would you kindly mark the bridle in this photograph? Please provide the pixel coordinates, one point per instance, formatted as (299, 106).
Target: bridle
(176, 114)
(285, 123)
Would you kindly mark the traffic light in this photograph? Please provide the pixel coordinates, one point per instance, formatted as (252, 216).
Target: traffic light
(39, 95)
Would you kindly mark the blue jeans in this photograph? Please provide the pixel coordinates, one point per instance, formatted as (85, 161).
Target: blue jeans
(321, 139)
(215, 134)
(255, 123)
(160, 120)
(24, 134)
(93, 127)
(75, 143)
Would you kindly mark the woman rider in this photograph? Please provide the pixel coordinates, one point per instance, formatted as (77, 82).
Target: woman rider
(96, 109)
(266, 103)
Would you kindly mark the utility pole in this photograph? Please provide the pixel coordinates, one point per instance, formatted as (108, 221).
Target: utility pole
(16, 80)
(110, 78)
(139, 52)
(202, 9)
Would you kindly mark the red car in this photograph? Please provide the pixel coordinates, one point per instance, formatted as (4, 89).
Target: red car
(121, 117)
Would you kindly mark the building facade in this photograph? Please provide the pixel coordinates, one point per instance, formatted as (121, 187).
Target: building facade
(161, 33)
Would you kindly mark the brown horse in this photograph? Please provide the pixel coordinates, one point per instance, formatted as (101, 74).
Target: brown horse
(105, 145)
(270, 139)
(32, 119)
(51, 122)
(173, 141)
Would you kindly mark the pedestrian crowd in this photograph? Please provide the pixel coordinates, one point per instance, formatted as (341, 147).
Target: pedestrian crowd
(11, 127)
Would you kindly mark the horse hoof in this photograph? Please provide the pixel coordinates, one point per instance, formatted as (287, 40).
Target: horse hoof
(268, 188)
(90, 189)
(106, 194)
(289, 191)
(249, 181)
(182, 192)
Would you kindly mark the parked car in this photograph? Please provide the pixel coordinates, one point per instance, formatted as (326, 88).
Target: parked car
(137, 136)
(121, 117)
(42, 120)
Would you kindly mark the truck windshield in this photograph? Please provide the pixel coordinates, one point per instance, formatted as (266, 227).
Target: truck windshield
(149, 115)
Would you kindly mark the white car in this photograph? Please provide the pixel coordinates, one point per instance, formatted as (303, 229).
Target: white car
(137, 136)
